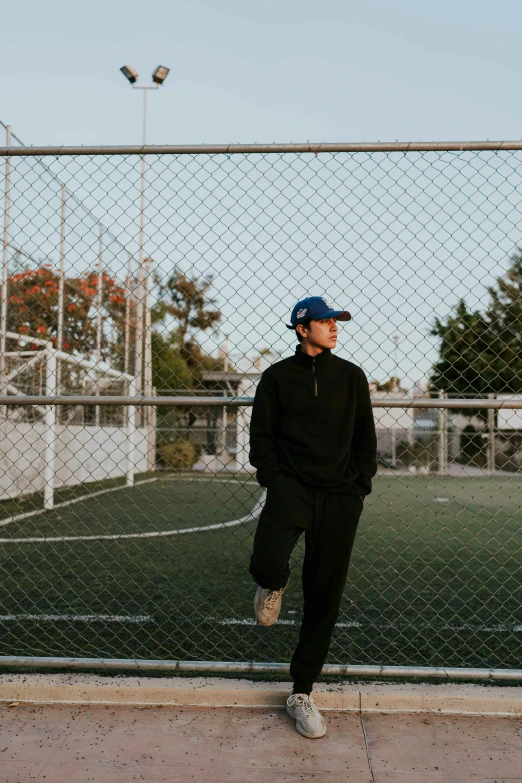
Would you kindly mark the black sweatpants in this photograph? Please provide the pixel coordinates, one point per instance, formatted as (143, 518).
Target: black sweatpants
(329, 521)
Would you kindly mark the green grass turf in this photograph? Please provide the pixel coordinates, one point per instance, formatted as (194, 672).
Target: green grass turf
(431, 583)
(154, 504)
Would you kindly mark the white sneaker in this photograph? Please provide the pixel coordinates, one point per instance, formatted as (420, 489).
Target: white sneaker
(308, 720)
(267, 605)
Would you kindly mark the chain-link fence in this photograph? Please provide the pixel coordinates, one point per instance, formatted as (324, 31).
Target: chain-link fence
(126, 527)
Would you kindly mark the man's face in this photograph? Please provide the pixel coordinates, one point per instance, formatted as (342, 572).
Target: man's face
(322, 334)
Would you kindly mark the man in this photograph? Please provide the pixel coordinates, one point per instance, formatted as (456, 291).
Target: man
(313, 442)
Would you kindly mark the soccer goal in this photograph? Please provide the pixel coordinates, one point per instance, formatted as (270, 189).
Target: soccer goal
(45, 447)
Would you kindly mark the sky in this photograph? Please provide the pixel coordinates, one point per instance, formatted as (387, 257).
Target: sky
(289, 70)
(277, 71)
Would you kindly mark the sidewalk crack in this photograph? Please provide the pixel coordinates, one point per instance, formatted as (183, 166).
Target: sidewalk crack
(365, 735)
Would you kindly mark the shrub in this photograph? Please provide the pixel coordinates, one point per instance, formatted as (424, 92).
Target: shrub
(179, 454)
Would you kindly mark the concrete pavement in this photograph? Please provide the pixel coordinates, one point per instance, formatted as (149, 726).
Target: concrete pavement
(93, 743)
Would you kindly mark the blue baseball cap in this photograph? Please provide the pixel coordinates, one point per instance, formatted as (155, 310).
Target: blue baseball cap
(315, 308)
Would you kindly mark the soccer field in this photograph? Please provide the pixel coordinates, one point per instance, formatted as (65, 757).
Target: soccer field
(151, 571)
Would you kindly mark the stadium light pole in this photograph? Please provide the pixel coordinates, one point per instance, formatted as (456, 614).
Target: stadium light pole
(143, 368)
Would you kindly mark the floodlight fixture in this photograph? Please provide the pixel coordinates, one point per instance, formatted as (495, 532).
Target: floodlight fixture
(130, 73)
(160, 74)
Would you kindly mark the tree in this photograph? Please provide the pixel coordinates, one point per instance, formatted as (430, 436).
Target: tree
(481, 353)
(32, 309)
(169, 371)
(465, 353)
(186, 300)
(177, 357)
(505, 318)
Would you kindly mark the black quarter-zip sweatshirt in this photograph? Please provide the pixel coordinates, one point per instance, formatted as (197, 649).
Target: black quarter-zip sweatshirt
(312, 418)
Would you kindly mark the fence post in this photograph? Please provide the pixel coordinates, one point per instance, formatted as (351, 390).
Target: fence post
(138, 332)
(5, 263)
(128, 312)
(131, 434)
(61, 275)
(49, 433)
(491, 436)
(393, 446)
(149, 413)
(443, 445)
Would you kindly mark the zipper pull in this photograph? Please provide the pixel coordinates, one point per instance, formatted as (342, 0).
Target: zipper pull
(315, 377)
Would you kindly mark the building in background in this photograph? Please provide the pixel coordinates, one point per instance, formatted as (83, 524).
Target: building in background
(226, 440)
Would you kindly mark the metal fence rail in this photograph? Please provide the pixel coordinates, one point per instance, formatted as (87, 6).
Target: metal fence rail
(245, 149)
(134, 327)
(224, 667)
(241, 402)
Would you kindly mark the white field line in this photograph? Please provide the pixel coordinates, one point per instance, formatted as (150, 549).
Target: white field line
(36, 511)
(251, 516)
(380, 626)
(74, 618)
(140, 619)
(88, 496)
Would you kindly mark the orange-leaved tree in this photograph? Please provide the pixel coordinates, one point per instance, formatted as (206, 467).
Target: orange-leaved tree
(33, 301)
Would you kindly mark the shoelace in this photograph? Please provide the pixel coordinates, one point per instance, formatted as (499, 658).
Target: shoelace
(304, 701)
(272, 597)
